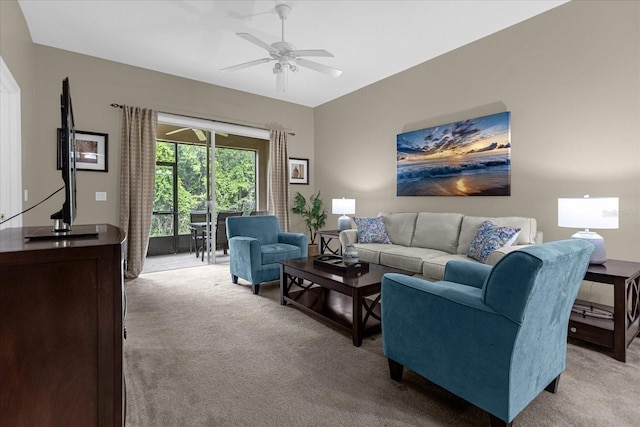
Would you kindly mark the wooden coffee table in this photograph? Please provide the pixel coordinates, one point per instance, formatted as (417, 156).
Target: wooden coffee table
(338, 299)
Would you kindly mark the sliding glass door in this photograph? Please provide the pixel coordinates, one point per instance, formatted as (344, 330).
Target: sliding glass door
(192, 181)
(181, 190)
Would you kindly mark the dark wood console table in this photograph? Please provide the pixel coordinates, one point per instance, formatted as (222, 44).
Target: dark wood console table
(61, 328)
(616, 333)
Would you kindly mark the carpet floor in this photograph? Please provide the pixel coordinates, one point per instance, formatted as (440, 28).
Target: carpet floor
(201, 351)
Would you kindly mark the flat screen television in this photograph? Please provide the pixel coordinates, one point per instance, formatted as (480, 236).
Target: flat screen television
(63, 219)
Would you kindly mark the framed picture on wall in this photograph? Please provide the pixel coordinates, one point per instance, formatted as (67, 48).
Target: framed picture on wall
(91, 151)
(298, 171)
(470, 157)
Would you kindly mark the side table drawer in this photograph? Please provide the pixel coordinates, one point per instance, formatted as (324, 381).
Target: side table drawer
(601, 334)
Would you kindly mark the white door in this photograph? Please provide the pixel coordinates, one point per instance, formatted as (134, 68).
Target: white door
(10, 148)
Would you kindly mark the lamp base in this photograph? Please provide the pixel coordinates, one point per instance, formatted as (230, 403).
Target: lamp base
(344, 223)
(599, 255)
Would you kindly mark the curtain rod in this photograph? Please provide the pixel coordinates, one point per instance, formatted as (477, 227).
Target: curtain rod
(114, 105)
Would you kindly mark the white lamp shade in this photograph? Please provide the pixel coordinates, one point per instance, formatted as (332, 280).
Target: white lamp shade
(343, 206)
(587, 212)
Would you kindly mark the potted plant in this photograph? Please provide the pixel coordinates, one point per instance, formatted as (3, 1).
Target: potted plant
(314, 216)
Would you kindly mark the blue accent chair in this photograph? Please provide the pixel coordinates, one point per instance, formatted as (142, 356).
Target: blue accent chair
(495, 337)
(256, 247)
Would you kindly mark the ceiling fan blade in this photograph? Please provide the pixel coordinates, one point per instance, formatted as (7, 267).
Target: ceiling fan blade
(334, 72)
(176, 131)
(200, 134)
(312, 52)
(246, 64)
(253, 39)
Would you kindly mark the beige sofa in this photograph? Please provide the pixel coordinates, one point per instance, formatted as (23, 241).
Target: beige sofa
(423, 242)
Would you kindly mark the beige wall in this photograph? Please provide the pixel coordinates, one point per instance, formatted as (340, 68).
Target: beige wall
(95, 84)
(570, 77)
(571, 80)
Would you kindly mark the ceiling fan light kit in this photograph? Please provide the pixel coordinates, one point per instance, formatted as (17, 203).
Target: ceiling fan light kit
(287, 57)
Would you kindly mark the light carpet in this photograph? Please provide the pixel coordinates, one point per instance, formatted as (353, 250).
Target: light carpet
(204, 352)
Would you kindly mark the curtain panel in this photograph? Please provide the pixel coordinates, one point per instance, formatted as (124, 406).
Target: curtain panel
(137, 183)
(278, 187)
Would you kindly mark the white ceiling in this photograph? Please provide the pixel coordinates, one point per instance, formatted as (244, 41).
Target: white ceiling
(370, 40)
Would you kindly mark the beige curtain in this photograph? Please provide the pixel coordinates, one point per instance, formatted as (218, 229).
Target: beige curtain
(137, 183)
(278, 188)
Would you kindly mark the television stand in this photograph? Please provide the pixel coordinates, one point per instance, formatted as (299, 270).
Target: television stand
(62, 307)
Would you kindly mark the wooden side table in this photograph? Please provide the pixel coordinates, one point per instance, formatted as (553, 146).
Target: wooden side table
(325, 237)
(618, 332)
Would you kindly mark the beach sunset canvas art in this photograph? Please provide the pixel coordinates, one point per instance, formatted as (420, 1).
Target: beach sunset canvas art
(466, 158)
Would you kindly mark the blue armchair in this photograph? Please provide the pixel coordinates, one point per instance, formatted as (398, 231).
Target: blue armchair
(256, 247)
(497, 336)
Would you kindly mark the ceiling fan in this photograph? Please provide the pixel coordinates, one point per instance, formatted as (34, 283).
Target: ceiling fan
(286, 56)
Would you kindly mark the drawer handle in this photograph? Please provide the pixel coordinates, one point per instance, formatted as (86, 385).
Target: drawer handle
(573, 329)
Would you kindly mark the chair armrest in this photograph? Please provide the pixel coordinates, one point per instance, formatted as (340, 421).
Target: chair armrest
(444, 332)
(466, 272)
(416, 313)
(296, 239)
(457, 293)
(246, 251)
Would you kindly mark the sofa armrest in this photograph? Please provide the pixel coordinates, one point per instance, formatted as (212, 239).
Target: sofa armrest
(466, 272)
(348, 237)
(296, 239)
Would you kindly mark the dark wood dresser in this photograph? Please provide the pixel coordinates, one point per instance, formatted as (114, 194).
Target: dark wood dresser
(62, 309)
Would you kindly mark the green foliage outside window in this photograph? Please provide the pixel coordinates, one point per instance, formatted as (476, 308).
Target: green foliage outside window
(235, 180)
(235, 183)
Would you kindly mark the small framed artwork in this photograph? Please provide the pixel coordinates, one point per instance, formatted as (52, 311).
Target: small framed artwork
(298, 171)
(91, 151)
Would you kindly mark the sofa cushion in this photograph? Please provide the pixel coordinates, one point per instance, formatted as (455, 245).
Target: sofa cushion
(433, 268)
(407, 258)
(277, 252)
(400, 226)
(371, 230)
(471, 224)
(437, 231)
(370, 252)
(490, 237)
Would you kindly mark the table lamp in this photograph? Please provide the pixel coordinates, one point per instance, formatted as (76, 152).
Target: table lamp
(345, 207)
(587, 213)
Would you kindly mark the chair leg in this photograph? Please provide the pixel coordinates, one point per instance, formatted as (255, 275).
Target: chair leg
(553, 386)
(234, 279)
(497, 422)
(395, 370)
(255, 288)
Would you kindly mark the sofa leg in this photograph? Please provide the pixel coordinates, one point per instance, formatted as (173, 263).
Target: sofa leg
(553, 386)
(255, 288)
(497, 422)
(395, 370)
(234, 279)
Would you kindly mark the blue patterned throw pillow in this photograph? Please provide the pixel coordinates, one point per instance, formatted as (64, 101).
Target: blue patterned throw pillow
(371, 230)
(491, 236)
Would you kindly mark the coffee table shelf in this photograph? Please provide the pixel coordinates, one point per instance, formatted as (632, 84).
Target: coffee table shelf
(332, 307)
(347, 302)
